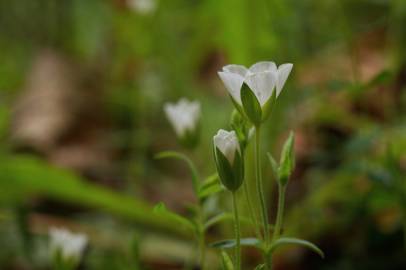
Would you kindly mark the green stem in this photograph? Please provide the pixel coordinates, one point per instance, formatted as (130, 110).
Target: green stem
(279, 215)
(260, 191)
(237, 234)
(201, 237)
(251, 210)
(202, 248)
(260, 188)
(404, 225)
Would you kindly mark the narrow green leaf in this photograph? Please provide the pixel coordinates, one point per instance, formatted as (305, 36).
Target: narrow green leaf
(23, 177)
(260, 267)
(230, 243)
(191, 165)
(210, 186)
(217, 219)
(295, 241)
(226, 217)
(227, 263)
(251, 105)
(161, 209)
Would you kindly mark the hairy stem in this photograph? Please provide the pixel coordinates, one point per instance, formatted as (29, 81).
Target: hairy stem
(260, 189)
(237, 234)
(279, 215)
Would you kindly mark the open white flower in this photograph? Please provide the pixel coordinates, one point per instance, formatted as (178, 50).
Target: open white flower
(262, 78)
(184, 116)
(227, 143)
(69, 245)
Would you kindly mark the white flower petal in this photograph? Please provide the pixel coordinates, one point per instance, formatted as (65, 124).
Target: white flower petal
(237, 69)
(262, 84)
(283, 74)
(263, 66)
(183, 115)
(227, 143)
(233, 83)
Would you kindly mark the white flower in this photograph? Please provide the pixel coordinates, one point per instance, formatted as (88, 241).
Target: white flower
(70, 245)
(261, 77)
(143, 6)
(227, 143)
(183, 116)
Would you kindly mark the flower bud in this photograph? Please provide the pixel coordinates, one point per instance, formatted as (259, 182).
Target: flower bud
(287, 161)
(229, 159)
(184, 117)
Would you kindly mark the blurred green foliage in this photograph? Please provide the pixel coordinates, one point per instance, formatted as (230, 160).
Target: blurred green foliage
(350, 129)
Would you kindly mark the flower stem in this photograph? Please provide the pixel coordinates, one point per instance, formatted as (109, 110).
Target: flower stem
(202, 249)
(260, 188)
(279, 215)
(260, 191)
(237, 234)
(201, 237)
(251, 210)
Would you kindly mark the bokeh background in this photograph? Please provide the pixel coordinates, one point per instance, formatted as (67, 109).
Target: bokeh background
(82, 87)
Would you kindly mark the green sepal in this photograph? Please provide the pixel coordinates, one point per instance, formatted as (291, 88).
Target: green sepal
(239, 107)
(287, 161)
(191, 138)
(238, 168)
(294, 241)
(226, 262)
(269, 106)
(274, 166)
(231, 176)
(60, 262)
(230, 243)
(251, 106)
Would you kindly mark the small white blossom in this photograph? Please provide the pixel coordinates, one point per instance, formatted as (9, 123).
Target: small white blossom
(184, 116)
(227, 143)
(70, 245)
(262, 78)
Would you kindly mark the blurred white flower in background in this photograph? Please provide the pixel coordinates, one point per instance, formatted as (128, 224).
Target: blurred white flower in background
(262, 78)
(184, 116)
(70, 246)
(143, 6)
